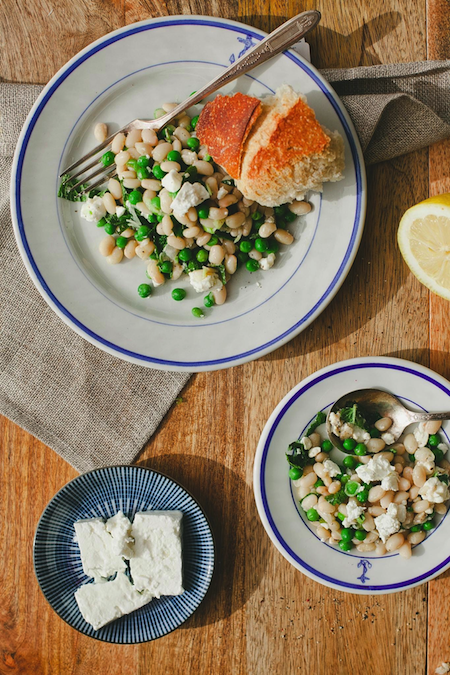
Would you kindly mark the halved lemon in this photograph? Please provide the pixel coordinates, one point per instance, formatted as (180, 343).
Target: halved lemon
(424, 241)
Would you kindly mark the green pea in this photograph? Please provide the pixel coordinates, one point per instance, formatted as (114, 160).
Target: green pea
(312, 515)
(290, 217)
(166, 267)
(133, 164)
(213, 241)
(110, 228)
(411, 458)
(344, 479)
(174, 156)
(144, 290)
(438, 454)
(434, 440)
(349, 462)
(143, 161)
(207, 158)
(158, 172)
(318, 483)
(252, 265)
(429, 525)
(142, 232)
(351, 488)
(340, 516)
(168, 131)
(274, 246)
(108, 158)
(159, 112)
(295, 473)
(102, 223)
(193, 143)
(121, 242)
(242, 257)
(203, 212)
(257, 215)
(360, 535)
(362, 496)
(178, 294)
(202, 255)
(208, 300)
(345, 545)
(416, 528)
(142, 173)
(327, 445)
(198, 313)
(360, 449)
(261, 245)
(185, 255)
(375, 433)
(135, 197)
(194, 121)
(347, 534)
(349, 443)
(245, 246)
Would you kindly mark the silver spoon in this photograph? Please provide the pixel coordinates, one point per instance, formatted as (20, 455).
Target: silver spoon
(386, 405)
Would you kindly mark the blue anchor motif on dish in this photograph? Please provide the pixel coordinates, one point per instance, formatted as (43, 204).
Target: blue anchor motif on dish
(366, 565)
(247, 41)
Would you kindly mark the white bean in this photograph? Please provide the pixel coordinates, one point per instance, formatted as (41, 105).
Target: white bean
(184, 121)
(204, 168)
(235, 220)
(230, 263)
(217, 214)
(183, 135)
(220, 295)
(116, 256)
(145, 249)
(401, 497)
(192, 214)
(155, 274)
(168, 107)
(167, 166)
(255, 255)
(376, 493)
(404, 484)
(375, 445)
(166, 203)
(440, 508)
(395, 541)
(109, 202)
(151, 184)
(419, 475)
(161, 151)
(267, 229)
(226, 201)
(117, 143)
(433, 426)
(410, 443)
(122, 158)
(142, 208)
(415, 538)
(101, 132)
(107, 245)
(176, 242)
(149, 136)
(130, 249)
(115, 188)
(309, 502)
(144, 148)
(369, 523)
(387, 499)
(283, 237)
(134, 136)
(414, 492)
(421, 506)
(299, 208)
(203, 238)
(191, 232)
(383, 424)
(131, 183)
(405, 550)
(365, 547)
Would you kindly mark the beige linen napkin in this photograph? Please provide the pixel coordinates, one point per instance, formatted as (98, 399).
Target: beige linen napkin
(95, 409)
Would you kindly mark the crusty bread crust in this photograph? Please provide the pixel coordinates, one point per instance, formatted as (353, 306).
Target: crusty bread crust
(288, 152)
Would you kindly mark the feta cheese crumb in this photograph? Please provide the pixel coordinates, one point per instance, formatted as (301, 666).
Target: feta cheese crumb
(335, 421)
(267, 263)
(222, 192)
(120, 210)
(93, 209)
(354, 510)
(359, 435)
(172, 181)
(421, 435)
(314, 452)
(306, 442)
(376, 469)
(331, 468)
(388, 438)
(389, 523)
(190, 194)
(443, 447)
(425, 457)
(390, 482)
(119, 527)
(434, 491)
(204, 279)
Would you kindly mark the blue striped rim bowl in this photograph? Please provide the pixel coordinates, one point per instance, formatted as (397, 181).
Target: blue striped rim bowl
(127, 74)
(101, 493)
(420, 389)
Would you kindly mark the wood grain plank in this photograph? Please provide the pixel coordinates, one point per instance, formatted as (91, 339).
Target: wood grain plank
(438, 32)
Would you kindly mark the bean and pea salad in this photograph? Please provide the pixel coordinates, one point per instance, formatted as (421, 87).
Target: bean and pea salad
(382, 496)
(171, 206)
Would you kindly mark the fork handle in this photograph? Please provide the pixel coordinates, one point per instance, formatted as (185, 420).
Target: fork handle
(280, 39)
(429, 417)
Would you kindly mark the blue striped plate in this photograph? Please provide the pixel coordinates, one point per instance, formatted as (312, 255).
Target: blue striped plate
(103, 492)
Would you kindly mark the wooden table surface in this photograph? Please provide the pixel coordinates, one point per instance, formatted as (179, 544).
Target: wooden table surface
(261, 616)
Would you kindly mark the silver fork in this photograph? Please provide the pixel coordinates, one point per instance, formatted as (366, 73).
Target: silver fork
(280, 39)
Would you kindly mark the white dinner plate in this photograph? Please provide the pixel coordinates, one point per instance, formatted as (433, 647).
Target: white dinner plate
(420, 389)
(126, 75)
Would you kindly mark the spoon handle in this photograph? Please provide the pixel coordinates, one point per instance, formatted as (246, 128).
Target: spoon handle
(429, 417)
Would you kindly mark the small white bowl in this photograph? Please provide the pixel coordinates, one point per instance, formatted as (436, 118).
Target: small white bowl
(420, 389)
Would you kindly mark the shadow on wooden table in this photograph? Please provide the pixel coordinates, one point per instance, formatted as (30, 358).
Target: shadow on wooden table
(430, 358)
(240, 541)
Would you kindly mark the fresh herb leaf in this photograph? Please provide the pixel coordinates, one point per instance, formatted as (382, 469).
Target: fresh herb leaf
(443, 477)
(353, 415)
(228, 181)
(339, 497)
(65, 189)
(297, 456)
(222, 273)
(319, 419)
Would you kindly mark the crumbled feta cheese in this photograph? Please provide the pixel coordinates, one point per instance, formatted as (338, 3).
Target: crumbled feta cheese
(390, 482)
(267, 263)
(346, 431)
(93, 209)
(359, 435)
(156, 566)
(120, 210)
(434, 491)
(204, 279)
(388, 438)
(306, 442)
(354, 510)
(388, 523)
(331, 468)
(376, 469)
(425, 457)
(170, 252)
(421, 435)
(119, 527)
(98, 548)
(335, 421)
(190, 194)
(172, 181)
(443, 447)
(188, 156)
(222, 192)
(314, 452)
(101, 603)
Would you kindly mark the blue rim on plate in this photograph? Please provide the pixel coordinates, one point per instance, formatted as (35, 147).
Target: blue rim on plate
(101, 493)
(260, 471)
(300, 322)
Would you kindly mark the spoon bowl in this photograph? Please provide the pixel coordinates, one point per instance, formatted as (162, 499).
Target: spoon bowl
(384, 404)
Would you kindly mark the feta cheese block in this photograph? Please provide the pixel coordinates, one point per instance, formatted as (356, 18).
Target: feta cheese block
(379, 469)
(390, 522)
(354, 511)
(119, 527)
(100, 549)
(434, 491)
(157, 562)
(101, 603)
(191, 194)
